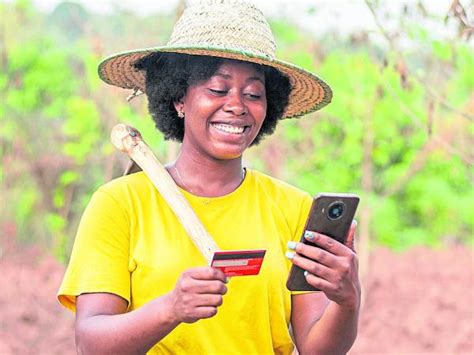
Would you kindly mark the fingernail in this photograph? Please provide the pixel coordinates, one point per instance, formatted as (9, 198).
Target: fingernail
(355, 221)
(306, 273)
(291, 245)
(226, 280)
(309, 235)
(290, 255)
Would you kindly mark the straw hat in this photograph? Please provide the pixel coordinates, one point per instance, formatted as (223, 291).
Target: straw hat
(227, 29)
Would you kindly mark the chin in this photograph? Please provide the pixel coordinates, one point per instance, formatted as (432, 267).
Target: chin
(225, 152)
(228, 156)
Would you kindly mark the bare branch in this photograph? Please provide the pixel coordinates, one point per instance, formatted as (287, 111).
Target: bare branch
(419, 122)
(449, 148)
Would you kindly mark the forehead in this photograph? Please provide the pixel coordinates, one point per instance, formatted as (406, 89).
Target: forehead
(230, 68)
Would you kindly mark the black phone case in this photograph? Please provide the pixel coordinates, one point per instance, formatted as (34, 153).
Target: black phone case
(319, 222)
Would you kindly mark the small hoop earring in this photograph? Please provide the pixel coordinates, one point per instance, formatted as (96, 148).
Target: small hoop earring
(180, 114)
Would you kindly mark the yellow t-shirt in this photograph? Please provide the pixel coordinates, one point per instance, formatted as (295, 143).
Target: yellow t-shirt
(131, 244)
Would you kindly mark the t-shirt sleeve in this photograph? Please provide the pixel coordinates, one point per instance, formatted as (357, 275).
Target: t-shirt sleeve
(100, 257)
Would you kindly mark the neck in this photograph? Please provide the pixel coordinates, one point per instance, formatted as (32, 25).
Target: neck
(207, 178)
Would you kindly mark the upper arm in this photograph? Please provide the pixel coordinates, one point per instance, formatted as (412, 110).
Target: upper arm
(100, 257)
(93, 304)
(89, 305)
(306, 310)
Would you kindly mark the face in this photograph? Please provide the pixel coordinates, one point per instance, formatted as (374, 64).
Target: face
(224, 114)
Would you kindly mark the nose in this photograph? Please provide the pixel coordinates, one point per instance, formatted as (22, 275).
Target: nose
(235, 104)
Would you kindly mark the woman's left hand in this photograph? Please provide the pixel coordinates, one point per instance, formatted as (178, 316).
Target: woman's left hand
(331, 267)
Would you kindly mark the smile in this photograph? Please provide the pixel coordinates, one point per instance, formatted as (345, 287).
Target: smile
(228, 128)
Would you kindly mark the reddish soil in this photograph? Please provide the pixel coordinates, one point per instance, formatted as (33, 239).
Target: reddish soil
(417, 302)
(31, 320)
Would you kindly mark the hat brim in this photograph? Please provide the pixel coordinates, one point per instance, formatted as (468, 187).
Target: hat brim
(309, 93)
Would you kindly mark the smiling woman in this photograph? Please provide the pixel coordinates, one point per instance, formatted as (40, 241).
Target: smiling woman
(224, 114)
(135, 280)
(216, 107)
(169, 74)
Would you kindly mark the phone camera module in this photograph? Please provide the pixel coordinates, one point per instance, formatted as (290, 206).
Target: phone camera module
(335, 210)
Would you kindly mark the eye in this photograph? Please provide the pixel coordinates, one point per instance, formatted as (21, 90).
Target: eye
(218, 92)
(253, 96)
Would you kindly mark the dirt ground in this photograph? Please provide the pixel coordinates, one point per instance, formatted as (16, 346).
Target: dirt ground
(417, 302)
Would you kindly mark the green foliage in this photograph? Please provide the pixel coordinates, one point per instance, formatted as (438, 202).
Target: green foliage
(26, 202)
(388, 232)
(420, 193)
(398, 132)
(461, 85)
(81, 127)
(55, 128)
(442, 50)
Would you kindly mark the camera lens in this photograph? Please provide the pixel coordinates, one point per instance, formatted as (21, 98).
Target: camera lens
(336, 210)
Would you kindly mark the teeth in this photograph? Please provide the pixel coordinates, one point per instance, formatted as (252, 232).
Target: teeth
(228, 128)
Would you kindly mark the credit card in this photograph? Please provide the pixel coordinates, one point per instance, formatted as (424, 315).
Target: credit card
(238, 262)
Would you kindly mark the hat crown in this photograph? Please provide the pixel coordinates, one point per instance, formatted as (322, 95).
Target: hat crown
(226, 24)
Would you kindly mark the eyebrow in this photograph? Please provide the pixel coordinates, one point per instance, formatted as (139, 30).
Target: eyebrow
(252, 78)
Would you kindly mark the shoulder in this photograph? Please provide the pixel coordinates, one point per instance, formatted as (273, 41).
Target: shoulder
(125, 192)
(288, 203)
(278, 188)
(280, 193)
(127, 185)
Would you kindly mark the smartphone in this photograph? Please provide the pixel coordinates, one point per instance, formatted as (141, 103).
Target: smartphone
(331, 214)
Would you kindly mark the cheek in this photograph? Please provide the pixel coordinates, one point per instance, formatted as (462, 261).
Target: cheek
(198, 105)
(260, 113)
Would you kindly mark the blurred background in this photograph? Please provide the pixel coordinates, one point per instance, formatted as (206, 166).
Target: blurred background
(399, 133)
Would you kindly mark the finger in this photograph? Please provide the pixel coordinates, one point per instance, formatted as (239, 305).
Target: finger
(351, 236)
(316, 254)
(206, 312)
(312, 267)
(216, 287)
(208, 300)
(206, 273)
(318, 282)
(325, 242)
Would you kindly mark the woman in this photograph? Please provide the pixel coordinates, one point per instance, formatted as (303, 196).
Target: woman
(136, 281)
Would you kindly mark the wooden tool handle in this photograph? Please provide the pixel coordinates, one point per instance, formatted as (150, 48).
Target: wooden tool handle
(129, 140)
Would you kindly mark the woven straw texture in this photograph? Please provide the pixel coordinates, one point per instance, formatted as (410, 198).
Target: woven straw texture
(227, 29)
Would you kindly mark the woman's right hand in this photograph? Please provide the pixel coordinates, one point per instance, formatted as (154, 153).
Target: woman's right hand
(103, 324)
(197, 294)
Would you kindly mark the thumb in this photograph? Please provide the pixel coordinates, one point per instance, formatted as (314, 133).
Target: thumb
(351, 236)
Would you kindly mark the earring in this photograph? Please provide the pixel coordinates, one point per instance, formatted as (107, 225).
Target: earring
(180, 114)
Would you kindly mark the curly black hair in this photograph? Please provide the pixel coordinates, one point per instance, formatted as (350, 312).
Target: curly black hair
(168, 76)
